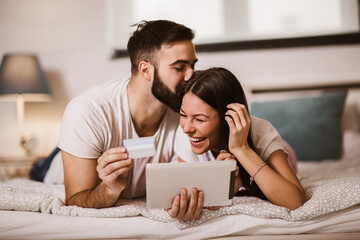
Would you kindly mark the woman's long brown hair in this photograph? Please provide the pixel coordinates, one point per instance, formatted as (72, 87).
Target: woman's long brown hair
(218, 87)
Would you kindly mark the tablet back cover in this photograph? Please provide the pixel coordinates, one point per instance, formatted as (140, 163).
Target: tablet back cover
(165, 180)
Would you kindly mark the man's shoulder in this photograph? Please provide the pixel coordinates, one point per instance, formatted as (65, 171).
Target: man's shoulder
(100, 94)
(106, 90)
(98, 99)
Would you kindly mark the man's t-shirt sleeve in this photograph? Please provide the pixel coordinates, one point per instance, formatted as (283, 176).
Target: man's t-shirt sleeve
(81, 133)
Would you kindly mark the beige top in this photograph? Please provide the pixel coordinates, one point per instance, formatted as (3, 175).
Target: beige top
(265, 138)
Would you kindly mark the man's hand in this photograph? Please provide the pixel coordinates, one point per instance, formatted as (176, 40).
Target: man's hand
(182, 210)
(113, 167)
(95, 183)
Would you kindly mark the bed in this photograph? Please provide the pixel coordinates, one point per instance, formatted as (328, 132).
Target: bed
(327, 165)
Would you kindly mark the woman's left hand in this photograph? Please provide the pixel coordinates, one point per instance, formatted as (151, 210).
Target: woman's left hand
(239, 121)
(224, 155)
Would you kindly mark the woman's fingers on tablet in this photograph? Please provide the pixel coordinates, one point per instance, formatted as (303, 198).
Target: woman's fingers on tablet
(182, 209)
(213, 208)
(192, 204)
(173, 211)
(223, 155)
(181, 205)
(199, 205)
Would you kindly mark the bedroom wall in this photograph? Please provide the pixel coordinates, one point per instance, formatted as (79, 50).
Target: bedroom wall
(69, 36)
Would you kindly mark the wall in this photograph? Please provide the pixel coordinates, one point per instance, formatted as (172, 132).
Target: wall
(70, 40)
(69, 36)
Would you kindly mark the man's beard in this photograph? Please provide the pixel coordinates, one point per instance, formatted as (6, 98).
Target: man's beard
(164, 94)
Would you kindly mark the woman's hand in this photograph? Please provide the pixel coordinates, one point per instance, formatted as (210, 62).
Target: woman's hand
(184, 210)
(224, 155)
(239, 121)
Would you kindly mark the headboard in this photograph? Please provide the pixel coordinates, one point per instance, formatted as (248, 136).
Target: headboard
(308, 87)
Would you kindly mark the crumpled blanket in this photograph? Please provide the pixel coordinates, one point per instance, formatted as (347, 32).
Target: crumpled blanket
(329, 186)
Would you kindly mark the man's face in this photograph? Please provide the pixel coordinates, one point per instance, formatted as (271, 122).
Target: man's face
(175, 65)
(164, 94)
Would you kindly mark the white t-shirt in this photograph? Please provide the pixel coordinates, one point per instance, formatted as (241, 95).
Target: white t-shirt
(100, 119)
(265, 138)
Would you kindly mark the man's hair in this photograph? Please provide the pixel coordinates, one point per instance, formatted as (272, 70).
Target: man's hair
(149, 36)
(218, 87)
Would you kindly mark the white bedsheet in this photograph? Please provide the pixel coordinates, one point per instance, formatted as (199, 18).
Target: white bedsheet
(330, 186)
(30, 225)
(333, 189)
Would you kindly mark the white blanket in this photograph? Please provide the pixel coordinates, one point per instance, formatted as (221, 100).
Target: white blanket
(329, 186)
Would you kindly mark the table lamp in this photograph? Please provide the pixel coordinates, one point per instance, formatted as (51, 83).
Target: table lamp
(22, 80)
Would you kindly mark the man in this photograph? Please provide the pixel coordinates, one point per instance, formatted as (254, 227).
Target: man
(97, 170)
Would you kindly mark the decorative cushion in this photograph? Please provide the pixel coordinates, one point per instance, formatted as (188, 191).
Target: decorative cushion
(311, 125)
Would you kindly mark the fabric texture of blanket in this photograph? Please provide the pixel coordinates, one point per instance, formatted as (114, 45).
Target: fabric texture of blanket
(329, 186)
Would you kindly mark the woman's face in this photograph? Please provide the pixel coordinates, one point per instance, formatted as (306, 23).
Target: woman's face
(201, 123)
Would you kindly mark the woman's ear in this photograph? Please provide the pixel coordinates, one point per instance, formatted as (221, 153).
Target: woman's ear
(146, 70)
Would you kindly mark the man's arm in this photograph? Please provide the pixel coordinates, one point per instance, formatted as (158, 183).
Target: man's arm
(95, 183)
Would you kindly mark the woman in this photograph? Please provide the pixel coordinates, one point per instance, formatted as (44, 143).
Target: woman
(215, 125)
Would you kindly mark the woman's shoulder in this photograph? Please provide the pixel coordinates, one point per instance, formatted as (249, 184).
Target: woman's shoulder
(265, 137)
(261, 124)
(262, 131)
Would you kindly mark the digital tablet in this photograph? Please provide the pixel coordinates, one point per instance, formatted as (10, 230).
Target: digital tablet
(165, 180)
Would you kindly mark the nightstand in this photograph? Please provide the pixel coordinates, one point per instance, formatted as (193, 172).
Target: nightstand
(13, 167)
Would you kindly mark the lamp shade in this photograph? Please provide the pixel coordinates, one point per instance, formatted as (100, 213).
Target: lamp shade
(22, 74)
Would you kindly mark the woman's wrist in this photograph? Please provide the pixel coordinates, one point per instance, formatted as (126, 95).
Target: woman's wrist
(242, 152)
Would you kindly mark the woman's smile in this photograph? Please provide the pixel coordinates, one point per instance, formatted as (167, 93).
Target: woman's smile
(197, 142)
(196, 139)
(200, 122)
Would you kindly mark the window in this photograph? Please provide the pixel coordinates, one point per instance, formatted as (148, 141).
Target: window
(225, 21)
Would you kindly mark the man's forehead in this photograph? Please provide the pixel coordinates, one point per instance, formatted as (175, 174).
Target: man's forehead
(181, 52)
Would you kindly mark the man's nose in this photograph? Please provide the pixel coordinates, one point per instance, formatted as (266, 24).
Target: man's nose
(188, 74)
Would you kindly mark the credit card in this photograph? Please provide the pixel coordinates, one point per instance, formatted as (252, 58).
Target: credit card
(140, 147)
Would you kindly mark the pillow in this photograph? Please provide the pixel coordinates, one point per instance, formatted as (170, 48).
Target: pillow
(311, 125)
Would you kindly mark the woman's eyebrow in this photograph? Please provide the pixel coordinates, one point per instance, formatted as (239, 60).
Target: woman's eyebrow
(196, 115)
(201, 115)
